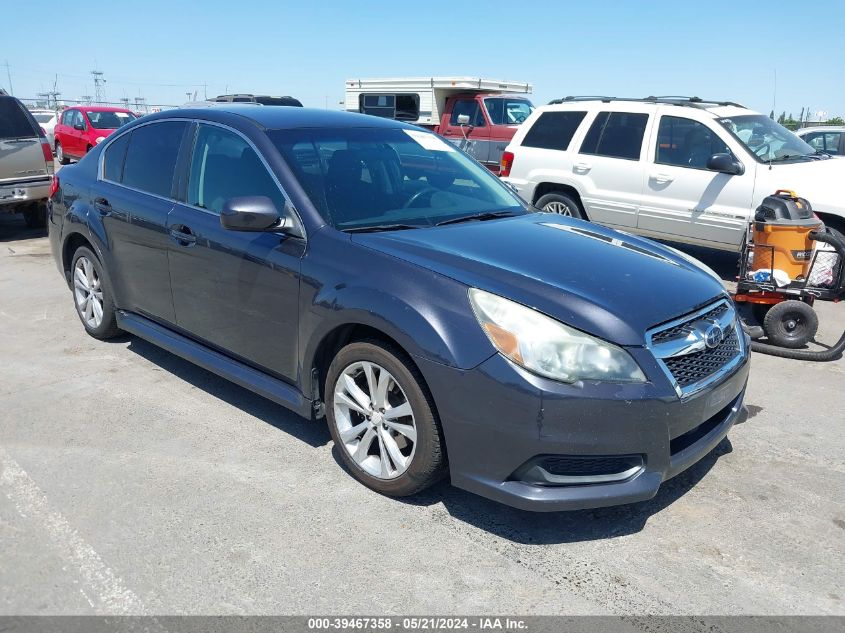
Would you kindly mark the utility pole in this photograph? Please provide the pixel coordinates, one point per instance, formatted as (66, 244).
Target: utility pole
(9, 75)
(188, 95)
(205, 91)
(99, 92)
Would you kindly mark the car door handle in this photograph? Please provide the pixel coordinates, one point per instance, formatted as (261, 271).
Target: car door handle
(582, 167)
(661, 179)
(103, 207)
(183, 235)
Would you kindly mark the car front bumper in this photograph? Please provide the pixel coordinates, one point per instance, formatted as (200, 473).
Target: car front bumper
(500, 421)
(14, 194)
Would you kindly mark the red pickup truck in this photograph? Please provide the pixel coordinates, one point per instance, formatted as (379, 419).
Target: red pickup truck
(479, 115)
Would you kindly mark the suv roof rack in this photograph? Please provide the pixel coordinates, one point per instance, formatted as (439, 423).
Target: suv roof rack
(695, 102)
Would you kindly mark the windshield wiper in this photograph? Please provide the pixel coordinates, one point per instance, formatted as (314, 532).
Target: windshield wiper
(375, 228)
(487, 215)
(779, 159)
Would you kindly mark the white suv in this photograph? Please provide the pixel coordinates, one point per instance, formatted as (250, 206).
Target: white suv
(679, 169)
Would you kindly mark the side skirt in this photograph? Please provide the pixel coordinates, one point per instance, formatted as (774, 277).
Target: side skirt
(240, 374)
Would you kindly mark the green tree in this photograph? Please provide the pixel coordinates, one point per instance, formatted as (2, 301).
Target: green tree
(837, 120)
(772, 115)
(782, 117)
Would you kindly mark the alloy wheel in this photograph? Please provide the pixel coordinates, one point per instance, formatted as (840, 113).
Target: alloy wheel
(60, 154)
(88, 292)
(374, 420)
(558, 207)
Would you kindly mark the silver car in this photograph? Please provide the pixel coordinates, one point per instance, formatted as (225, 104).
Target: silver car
(26, 163)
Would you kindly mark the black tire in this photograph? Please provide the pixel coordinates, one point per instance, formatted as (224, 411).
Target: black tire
(791, 324)
(60, 155)
(428, 460)
(107, 327)
(36, 217)
(556, 200)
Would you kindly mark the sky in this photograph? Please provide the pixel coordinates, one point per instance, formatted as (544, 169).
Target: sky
(763, 54)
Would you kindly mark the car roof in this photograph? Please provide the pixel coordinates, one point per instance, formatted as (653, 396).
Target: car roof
(718, 109)
(282, 117)
(99, 108)
(821, 128)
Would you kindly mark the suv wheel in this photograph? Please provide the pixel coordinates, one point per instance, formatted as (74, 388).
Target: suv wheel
(560, 203)
(382, 420)
(92, 296)
(60, 154)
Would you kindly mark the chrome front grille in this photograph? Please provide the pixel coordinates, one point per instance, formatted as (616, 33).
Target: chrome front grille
(693, 368)
(698, 348)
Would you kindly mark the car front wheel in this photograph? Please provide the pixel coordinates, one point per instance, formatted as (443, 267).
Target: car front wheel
(382, 419)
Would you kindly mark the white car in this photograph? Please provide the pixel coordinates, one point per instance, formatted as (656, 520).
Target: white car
(47, 120)
(830, 139)
(677, 169)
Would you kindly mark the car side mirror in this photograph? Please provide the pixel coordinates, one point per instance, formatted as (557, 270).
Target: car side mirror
(463, 119)
(725, 164)
(79, 126)
(256, 214)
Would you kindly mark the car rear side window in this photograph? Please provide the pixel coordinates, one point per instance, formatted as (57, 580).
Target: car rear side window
(151, 157)
(14, 123)
(686, 143)
(553, 130)
(113, 158)
(225, 166)
(616, 135)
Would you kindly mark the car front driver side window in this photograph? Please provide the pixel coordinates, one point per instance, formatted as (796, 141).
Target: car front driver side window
(686, 143)
(225, 166)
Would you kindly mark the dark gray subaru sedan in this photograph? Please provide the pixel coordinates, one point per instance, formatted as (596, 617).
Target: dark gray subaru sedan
(366, 271)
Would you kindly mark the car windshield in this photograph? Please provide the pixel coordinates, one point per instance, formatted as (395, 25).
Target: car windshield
(43, 118)
(109, 120)
(390, 178)
(508, 111)
(767, 140)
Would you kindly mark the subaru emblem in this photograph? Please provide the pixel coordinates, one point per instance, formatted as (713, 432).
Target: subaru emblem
(713, 336)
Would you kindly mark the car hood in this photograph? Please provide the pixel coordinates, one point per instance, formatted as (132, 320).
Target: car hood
(819, 181)
(609, 284)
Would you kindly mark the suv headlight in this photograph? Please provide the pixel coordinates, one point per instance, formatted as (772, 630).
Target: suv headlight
(547, 347)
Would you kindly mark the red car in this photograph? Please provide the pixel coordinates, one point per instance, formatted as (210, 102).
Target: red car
(82, 127)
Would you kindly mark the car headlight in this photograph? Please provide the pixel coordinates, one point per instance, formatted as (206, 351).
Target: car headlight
(547, 347)
(100, 139)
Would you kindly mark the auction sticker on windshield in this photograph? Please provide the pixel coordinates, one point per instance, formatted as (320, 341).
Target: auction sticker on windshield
(430, 141)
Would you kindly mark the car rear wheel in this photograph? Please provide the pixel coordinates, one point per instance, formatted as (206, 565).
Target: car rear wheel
(92, 295)
(60, 154)
(382, 420)
(560, 203)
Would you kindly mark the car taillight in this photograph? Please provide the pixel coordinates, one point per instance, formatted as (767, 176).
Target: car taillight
(505, 164)
(54, 186)
(45, 149)
(48, 155)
